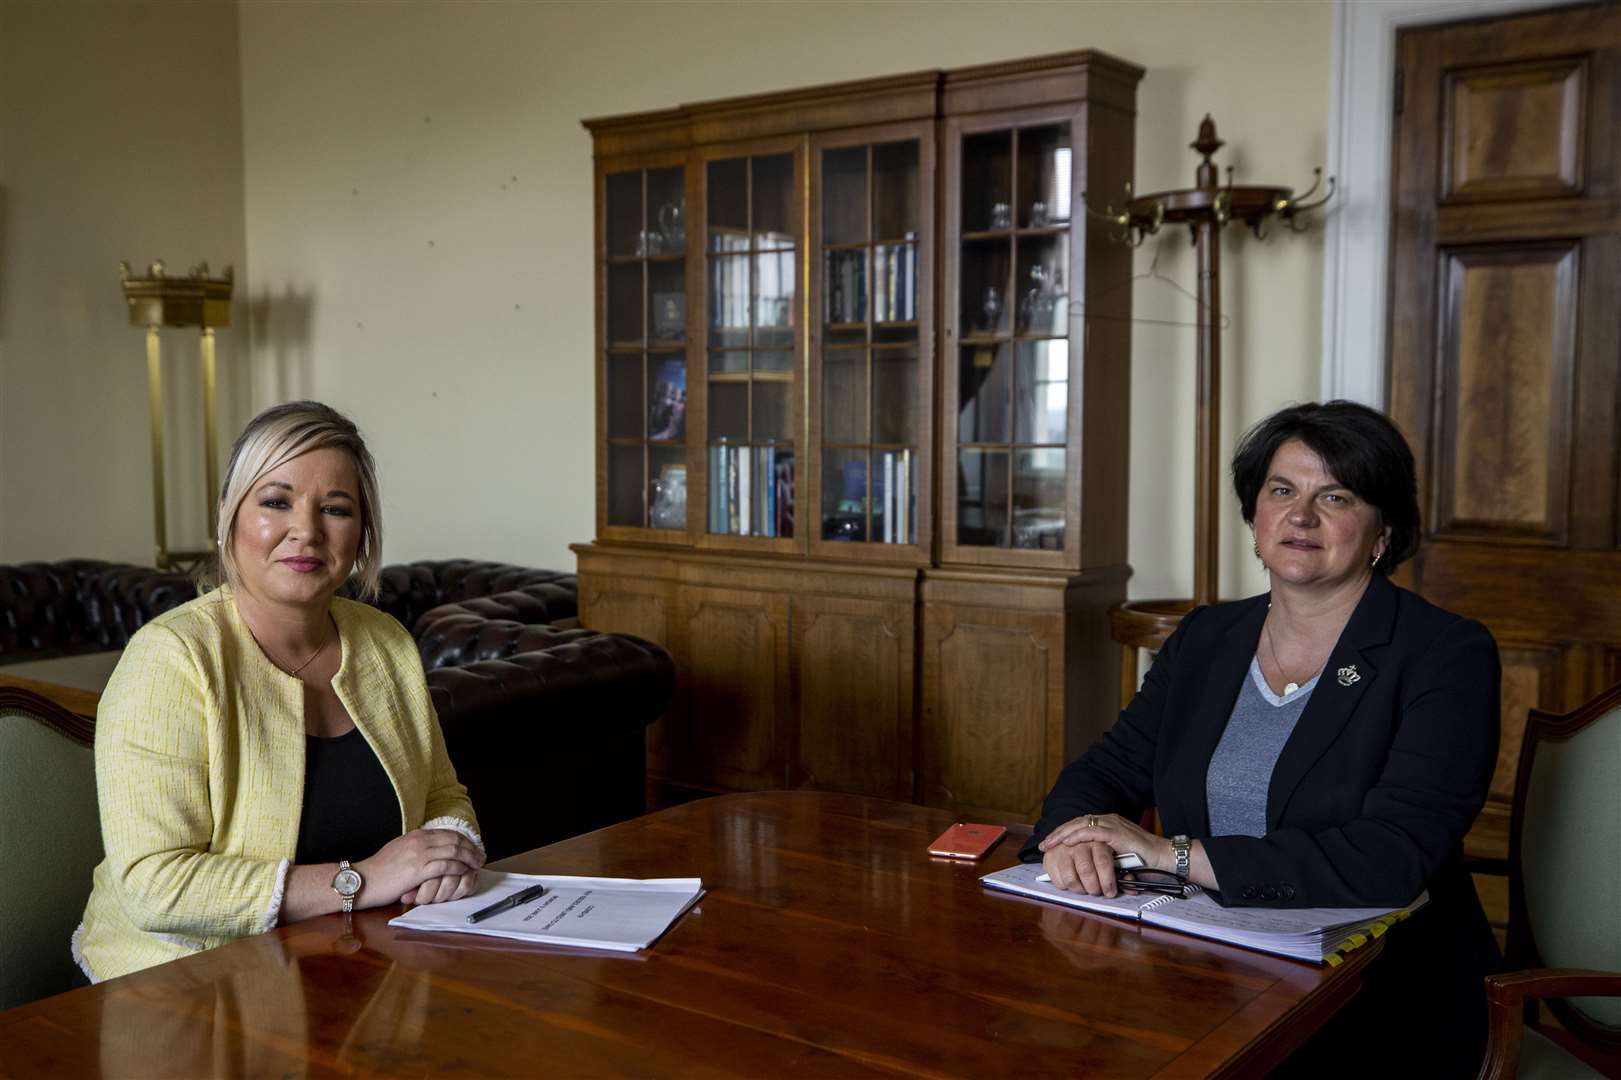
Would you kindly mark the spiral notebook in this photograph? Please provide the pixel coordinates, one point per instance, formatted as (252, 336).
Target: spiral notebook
(1320, 935)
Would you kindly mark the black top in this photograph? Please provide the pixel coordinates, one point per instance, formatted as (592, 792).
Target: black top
(350, 808)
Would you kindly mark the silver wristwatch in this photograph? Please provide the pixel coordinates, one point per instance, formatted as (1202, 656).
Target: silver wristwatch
(1181, 847)
(347, 883)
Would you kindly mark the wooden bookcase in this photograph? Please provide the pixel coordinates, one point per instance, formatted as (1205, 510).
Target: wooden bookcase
(863, 400)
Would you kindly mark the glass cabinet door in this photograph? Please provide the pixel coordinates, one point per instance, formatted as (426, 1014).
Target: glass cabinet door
(645, 369)
(1013, 362)
(873, 396)
(751, 253)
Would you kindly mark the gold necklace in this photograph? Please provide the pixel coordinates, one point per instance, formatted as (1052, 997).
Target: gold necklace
(294, 671)
(1289, 685)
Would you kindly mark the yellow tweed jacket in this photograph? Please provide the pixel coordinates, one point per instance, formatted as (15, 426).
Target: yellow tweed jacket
(200, 776)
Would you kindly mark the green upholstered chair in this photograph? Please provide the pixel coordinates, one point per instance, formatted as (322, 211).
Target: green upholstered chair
(50, 841)
(1564, 930)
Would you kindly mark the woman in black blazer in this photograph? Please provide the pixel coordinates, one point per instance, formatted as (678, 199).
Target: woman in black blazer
(1365, 799)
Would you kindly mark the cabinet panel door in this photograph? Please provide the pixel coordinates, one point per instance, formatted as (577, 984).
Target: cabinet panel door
(993, 709)
(734, 646)
(853, 668)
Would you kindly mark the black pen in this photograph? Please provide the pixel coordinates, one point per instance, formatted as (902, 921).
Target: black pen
(522, 896)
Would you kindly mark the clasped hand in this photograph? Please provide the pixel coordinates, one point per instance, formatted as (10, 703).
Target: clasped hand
(425, 866)
(1079, 854)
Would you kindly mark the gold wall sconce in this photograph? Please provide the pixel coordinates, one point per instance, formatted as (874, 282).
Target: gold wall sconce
(199, 300)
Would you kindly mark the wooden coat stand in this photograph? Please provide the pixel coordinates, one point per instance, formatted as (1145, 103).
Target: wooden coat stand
(1205, 208)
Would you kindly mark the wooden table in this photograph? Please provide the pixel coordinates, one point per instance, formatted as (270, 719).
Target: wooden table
(829, 944)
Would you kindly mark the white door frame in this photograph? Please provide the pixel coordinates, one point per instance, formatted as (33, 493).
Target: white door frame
(1356, 227)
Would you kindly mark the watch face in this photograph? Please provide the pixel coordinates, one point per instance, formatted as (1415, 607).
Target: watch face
(347, 883)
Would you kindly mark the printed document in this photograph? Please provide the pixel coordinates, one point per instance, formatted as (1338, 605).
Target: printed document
(624, 914)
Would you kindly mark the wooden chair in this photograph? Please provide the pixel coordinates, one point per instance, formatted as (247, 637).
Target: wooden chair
(1564, 929)
(50, 841)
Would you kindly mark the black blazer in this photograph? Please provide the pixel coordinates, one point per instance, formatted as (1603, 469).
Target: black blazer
(1371, 795)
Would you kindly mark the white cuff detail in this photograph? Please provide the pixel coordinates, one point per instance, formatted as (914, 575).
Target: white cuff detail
(274, 914)
(456, 824)
(78, 953)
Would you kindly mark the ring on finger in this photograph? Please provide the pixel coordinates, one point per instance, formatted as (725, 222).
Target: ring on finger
(1092, 822)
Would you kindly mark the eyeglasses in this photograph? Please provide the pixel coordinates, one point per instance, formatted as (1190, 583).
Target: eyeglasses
(1163, 882)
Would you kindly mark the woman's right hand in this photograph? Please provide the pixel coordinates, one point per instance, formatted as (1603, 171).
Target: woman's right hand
(421, 855)
(1086, 867)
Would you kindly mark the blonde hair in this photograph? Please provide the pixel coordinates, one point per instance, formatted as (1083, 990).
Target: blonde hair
(277, 436)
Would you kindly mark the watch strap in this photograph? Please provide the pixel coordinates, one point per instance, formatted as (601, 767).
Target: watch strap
(1181, 847)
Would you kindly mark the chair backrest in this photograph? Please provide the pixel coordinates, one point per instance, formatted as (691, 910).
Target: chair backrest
(50, 841)
(1565, 853)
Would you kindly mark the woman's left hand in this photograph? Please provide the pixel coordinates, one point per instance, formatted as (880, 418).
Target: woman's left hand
(439, 890)
(1121, 836)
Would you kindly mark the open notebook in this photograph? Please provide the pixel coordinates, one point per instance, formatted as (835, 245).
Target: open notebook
(1321, 935)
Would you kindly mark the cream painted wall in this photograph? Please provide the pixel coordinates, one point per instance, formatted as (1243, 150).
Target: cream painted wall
(418, 194)
(120, 138)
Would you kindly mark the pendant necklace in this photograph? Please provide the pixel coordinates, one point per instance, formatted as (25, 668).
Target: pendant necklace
(1289, 686)
(327, 641)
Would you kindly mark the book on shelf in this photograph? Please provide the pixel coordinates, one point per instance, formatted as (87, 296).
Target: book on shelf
(1318, 935)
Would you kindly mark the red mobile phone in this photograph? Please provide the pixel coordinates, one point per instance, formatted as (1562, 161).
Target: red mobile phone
(965, 841)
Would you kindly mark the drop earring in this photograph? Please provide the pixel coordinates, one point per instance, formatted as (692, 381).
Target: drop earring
(1377, 555)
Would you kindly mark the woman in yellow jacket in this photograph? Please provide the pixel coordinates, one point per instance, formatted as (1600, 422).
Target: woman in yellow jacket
(269, 751)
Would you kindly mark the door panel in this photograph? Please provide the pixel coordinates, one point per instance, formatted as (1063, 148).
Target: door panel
(1505, 345)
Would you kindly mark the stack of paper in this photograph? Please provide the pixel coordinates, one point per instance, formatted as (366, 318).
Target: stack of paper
(1320, 935)
(624, 914)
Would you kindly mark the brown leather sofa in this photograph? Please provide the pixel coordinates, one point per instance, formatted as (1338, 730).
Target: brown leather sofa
(546, 724)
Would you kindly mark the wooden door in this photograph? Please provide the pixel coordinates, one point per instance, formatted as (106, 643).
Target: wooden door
(1505, 341)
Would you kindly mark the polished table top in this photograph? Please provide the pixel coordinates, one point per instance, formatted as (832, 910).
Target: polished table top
(829, 944)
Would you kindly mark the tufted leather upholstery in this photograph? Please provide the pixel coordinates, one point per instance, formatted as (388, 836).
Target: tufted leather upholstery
(80, 605)
(546, 726)
(412, 591)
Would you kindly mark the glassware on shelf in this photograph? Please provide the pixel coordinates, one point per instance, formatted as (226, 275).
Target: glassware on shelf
(1038, 215)
(992, 308)
(667, 506)
(1001, 216)
(672, 231)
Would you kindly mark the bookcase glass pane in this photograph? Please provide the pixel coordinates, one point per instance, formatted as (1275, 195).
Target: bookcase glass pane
(845, 289)
(982, 497)
(727, 183)
(844, 395)
(667, 397)
(624, 222)
(1038, 499)
(844, 195)
(774, 361)
(1043, 288)
(751, 490)
(773, 183)
(1044, 176)
(667, 209)
(729, 410)
(667, 487)
(896, 198)
(667, 301)
(732, 361)
(625, 484)
(1041, 392)
(894, 395)
(844, 494)
(772, 419)
(774, 299)
(894, 498)
(729, 301)
(983, 381)
(987, 181)
(625, 397)
(625, 304)
(894, 280)
(986, 264)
